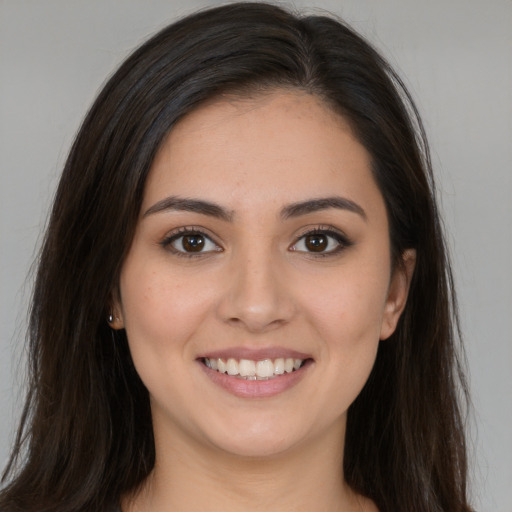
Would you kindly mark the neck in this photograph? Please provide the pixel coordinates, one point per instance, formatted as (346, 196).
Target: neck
(189, 476)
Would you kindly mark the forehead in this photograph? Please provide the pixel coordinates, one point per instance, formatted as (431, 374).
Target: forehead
(274, 148)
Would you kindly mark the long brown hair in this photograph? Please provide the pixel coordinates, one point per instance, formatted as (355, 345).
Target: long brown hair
(85, 436)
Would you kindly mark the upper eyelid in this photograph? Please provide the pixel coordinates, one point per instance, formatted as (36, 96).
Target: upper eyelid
(184, 230)
(174, 234)
(321, 228)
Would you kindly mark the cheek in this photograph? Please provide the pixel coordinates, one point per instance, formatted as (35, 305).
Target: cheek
(348, 310)
(160, 309)
(161, 312)
(348, 319)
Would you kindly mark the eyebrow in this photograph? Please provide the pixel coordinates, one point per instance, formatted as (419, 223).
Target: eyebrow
(190, 205)
(323, 203)
(290, 211)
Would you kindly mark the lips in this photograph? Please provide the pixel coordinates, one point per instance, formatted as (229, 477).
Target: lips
(255, 373)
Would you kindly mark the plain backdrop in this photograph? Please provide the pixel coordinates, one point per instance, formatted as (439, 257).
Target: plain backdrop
(456, 58)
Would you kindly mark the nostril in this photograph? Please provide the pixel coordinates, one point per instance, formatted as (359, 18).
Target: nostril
(256, 325)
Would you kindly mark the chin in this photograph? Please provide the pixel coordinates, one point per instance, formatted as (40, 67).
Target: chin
(256, 447)
(263, 438)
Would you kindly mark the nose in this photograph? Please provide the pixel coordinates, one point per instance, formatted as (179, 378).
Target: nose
(258, 296)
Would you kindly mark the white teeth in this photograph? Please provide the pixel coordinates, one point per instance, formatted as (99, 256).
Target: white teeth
(279, 366)
(247, 368)
(221, 366)
(265, 368)
(288, 365)
(254, 370)
(232, 367)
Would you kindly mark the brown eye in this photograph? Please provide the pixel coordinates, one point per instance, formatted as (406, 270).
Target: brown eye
(322, 242)
(190, 243)
(193, 243)
(316, 242)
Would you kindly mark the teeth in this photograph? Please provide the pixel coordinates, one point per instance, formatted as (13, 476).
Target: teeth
(221, 366)
(279, 366)
(232, 367)
(247, 368)
(265, 368)
(254, 370)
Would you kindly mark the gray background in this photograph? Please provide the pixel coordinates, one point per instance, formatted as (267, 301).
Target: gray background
(456, 56)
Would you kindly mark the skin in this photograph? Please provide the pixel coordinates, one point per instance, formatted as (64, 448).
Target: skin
(257, 285)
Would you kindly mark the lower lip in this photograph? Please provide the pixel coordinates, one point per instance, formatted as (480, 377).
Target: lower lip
(256, 388)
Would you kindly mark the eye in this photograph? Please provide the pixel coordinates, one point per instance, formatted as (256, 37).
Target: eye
(190, 242)
(321, 242)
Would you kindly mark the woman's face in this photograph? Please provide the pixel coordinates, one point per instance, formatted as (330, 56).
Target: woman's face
(262, 243)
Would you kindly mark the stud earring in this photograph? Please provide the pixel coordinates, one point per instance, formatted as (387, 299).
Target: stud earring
(110, 318)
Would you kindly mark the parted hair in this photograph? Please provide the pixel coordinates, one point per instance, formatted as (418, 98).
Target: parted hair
(85, 437)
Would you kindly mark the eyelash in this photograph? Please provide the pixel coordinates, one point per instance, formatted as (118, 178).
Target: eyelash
(167, 242)
(340, 238)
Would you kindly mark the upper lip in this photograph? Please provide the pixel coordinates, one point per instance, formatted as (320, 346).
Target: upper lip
(254, 354)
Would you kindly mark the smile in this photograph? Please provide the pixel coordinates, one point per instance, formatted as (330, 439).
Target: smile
(248, 369)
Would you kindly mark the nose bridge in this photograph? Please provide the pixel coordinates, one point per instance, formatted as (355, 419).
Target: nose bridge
(257, 296)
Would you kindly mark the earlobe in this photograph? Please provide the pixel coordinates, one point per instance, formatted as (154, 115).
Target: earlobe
(397, 293)
(115, 316)
(115, 322)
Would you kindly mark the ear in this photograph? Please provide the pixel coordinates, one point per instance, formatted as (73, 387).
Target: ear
(116, 311)
(397, 293)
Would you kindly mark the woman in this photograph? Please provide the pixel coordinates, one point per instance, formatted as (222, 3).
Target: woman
(243, 298)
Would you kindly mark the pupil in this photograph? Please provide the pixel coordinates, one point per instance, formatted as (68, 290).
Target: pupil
(193, 243)
(316, 243)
